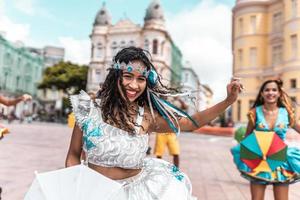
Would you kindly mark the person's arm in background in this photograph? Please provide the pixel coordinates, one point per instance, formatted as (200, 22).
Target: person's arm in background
(12, 102)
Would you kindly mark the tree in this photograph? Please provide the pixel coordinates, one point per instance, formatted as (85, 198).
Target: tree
(66, 76)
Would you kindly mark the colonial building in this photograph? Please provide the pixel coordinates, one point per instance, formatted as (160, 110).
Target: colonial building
(20, 70)
(107, 39)
(265, 45)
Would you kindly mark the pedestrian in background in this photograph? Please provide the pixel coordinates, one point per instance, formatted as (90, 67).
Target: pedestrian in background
(170, 139)
(271, 113)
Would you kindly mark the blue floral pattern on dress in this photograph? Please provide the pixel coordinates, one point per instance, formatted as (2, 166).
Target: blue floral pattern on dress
(90, 131)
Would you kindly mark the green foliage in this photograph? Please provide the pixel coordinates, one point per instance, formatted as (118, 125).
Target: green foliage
(239, 134)
(65, 76)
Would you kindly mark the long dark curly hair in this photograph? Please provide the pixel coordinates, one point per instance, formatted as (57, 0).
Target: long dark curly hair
(115, 109)
(283, 101)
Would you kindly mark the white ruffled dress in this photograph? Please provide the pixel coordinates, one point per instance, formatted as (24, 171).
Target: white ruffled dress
(108, 146)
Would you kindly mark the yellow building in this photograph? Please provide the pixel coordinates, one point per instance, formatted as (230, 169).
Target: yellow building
(265, 44)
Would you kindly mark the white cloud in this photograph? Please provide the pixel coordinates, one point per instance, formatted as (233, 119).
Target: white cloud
(2, 4)
(14, 31)
(77, 51)
(204, 36)
(11, 30)
(25, 6)
(33, 8)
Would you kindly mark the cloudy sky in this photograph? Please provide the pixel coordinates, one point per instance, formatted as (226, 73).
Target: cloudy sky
(201, 29)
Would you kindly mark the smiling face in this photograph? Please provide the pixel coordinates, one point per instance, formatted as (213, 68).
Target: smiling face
(133, 82)
(270, 93)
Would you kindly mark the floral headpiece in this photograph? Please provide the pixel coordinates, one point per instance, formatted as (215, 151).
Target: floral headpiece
(151, 74)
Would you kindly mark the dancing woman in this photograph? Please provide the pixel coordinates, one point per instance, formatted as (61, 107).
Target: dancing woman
(271, 112)
(113, 129)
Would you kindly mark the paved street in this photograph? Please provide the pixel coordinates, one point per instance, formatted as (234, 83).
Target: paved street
(43, 147)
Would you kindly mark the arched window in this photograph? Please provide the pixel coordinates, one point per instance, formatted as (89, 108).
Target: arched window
(28, 70)
(7, 59)
(123, 44)
(6, 80)
(99, 50)
(146, 45)
(98, 75)
(155, 47)
(19, 63)
(92, 50)
(131, 43)
(17, 82)
(114, 48)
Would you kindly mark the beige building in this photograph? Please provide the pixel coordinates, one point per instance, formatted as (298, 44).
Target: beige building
(107, 39)
(265, 44)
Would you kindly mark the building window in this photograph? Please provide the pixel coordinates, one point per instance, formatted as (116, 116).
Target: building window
(27, 85)
(17, 82)
(28, 70)
(155, 47)
(294, 7)
(239, 110)
(294, 45)
(8, 59)
(98, 75)
(276, 55)
(131, 43)
(277, 17)
(123, 44)
(114, 48)
(253, 57)
(146, 45)
(186, 77)
(293, 83)
(241, 26)
(19, 62)
(240, 58)
(99, 50)
(92, 50)
(5, 80)
(253, 23)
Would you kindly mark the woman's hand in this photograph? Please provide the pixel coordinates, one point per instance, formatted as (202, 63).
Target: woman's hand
(233, 90)
(26, 97)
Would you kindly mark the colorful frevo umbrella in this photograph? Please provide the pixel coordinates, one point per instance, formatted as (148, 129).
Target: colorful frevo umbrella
(263, 151)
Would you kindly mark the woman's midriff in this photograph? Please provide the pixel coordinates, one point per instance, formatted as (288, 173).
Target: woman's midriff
(115, 173)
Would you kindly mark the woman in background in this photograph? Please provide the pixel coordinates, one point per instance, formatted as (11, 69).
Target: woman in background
(271, 112)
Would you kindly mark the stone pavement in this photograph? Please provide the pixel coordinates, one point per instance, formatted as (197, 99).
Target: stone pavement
(43, 147)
